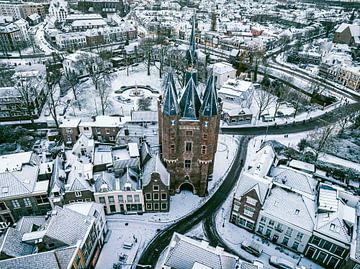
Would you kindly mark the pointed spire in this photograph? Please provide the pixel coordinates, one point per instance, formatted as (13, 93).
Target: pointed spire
(170, 106)
(209, 107)
(190, 102)
(191, 52)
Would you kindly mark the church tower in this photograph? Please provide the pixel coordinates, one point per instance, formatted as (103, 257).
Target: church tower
(188, 128)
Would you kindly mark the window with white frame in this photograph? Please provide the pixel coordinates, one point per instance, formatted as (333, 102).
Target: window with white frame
(249, 211)
(15, 203)
(78, 194)
(27, 201)
(251, 201)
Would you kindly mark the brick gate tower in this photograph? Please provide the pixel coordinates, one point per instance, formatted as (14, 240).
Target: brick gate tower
(188, 128)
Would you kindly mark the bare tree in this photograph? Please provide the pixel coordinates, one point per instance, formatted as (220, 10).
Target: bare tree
(53, 77)
(297, 99)
(99, 74)
(281, 93)
(103, 91)
(71, 81)
(344, 120)
(263, 99)
(25, 87)
(322, 139)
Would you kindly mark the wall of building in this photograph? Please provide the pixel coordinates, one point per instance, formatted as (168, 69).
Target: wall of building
(156, 195)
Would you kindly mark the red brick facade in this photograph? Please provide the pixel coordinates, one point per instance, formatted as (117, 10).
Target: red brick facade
(188, 149)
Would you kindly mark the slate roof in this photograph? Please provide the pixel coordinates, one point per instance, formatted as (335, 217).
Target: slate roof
(184, 252)
(155, 165)
(294, 179)
(11, 244)
(209, 107)
(59, 225)
(190, 102)
(332, 224)
(25, 224)
(55, 259)
(170, 104)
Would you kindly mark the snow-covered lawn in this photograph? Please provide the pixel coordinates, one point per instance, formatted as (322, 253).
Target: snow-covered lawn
(90, 101)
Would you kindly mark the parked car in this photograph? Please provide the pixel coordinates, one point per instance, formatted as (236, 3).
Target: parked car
(281, 263)
(252, 247)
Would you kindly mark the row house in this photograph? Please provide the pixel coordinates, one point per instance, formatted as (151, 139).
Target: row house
(59, 9)
(331, 241)
(155, 183)
(103, 128)
(31, 79)
(346, 75)
(36, 8)
(287, 218)
(69, 237)
(79, 62)
(287, 205)
(349, 76)
(14, 35)
(104, 6)
(12, 9)
(121, 194)
(21, 191)
(70, 40)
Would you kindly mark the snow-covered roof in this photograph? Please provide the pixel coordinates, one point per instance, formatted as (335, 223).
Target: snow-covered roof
(85, 209)
(308, 167)
(155, 165)
(235, 87)
(290, 207)
(133, 150)
(68, 226)
(55, 259)
(336, 224)
(184, 252)
(295, 180)
(70, 123)
(144, 116)
(248, 182)
(222, 68)
(354, 29)
(19, 175)
(262, 161)
(14, 162)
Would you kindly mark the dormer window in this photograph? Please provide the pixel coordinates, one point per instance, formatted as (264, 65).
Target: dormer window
(297, 211)
(332, 227)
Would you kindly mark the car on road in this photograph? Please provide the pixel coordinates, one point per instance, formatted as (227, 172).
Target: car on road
(282, 263)
(252, 247)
